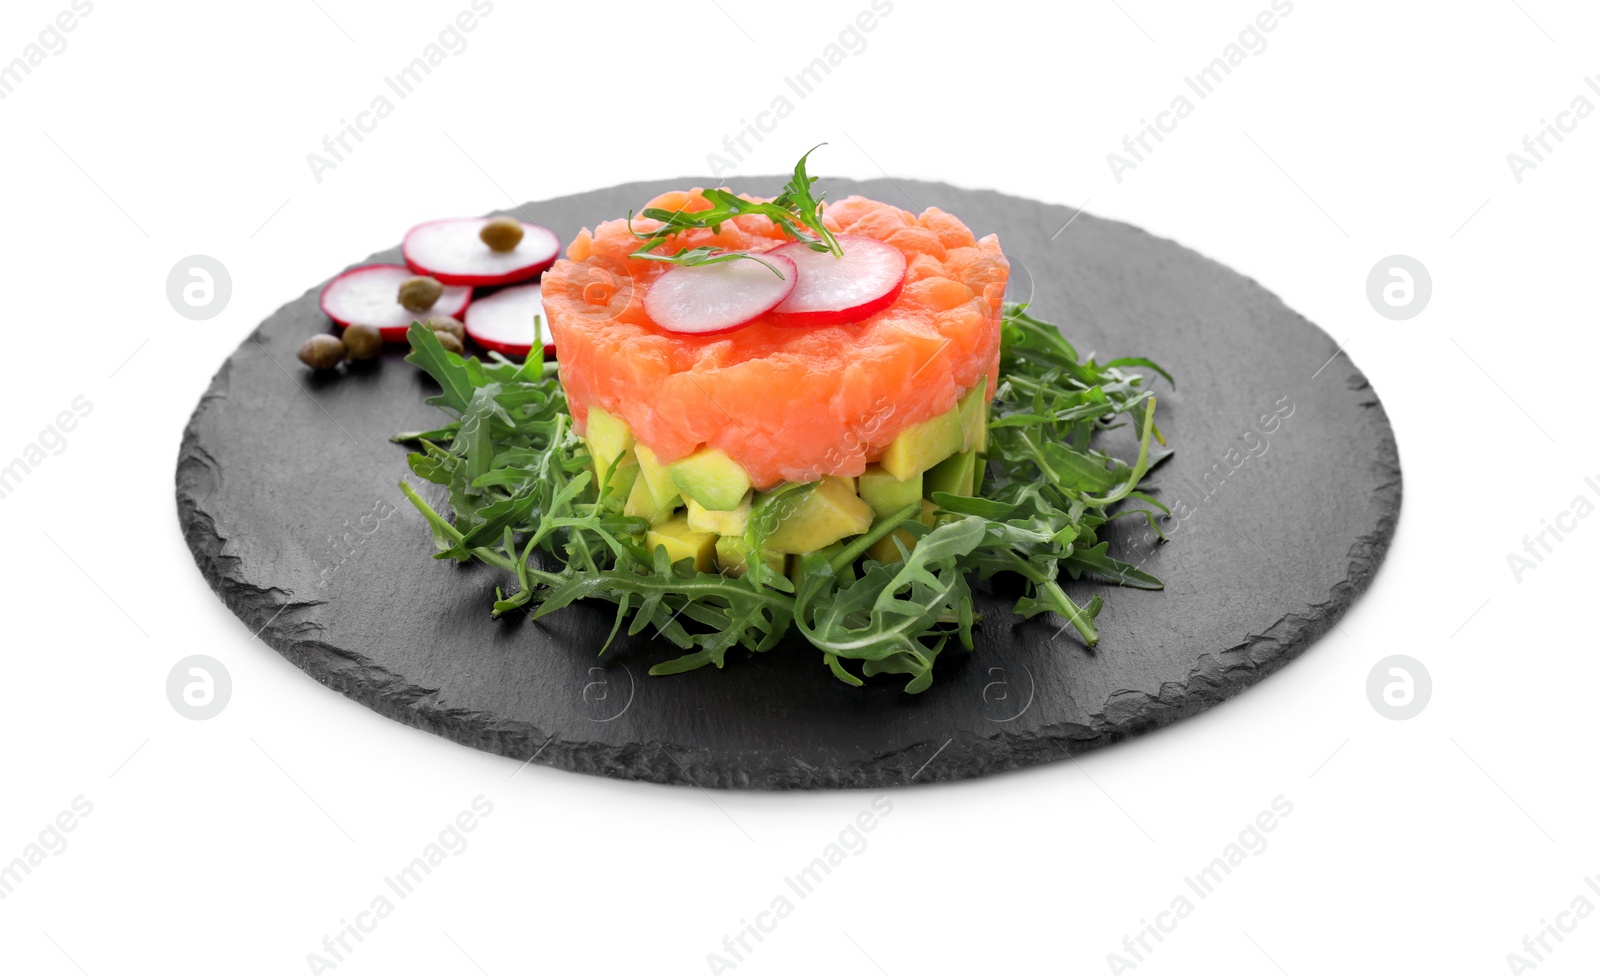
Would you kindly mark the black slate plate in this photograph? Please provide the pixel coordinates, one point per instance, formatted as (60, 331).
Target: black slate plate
(286, 494)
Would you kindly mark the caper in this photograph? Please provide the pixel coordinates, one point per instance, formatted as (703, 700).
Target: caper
(322, 352)
(362, 342)
(420, 293)
(501, 234)
(447, 324)
(450, 343)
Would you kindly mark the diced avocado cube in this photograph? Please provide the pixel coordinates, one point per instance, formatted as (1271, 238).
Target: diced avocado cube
(823, 516)
(887, 494)
(621, 484)
(710, 477)
(607, 437)
(656, 475)
(653, 496)
(974, 407)
(682, 542)
(884, 550)
(733, 557)
(703, 519)
(954, 475)
(797, 569)
(921, 446)
(642, 503)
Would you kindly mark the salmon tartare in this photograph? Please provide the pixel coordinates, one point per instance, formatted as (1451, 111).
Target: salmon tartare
(775, 414)
(779, 403)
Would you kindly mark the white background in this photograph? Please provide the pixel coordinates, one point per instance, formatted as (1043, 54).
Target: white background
(1363, 129)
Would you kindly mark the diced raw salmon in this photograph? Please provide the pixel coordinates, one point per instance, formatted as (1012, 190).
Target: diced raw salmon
(789, 404)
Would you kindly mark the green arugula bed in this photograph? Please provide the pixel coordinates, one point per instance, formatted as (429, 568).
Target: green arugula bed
(523, 499)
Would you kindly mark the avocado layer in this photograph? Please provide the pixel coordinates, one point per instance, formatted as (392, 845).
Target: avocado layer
(943, 454)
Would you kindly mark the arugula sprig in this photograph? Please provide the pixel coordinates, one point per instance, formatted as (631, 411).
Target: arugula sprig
(794, 210)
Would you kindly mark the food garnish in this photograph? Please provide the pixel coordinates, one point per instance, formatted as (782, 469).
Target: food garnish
(480, 251)
(447, 323)
(502, 234)
(322, 352)
(710, 297)
(794, 210)
(369, 295)
(862, 280)
(509, 321)
(362, 342)
(420, 293)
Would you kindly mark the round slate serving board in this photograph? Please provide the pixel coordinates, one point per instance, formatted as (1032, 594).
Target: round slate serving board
(1285, 490)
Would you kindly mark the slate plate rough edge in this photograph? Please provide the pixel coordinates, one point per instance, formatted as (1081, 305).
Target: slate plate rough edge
(1213, 679)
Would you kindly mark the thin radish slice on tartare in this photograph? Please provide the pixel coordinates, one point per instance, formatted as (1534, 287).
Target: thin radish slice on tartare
(369, 295)
(863, 281)
(505, 323)
(453, 251)
(704, 299)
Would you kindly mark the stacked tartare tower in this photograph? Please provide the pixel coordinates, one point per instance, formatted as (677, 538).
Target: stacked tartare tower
(691, 432)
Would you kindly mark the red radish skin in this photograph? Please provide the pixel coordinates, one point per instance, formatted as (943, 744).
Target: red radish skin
(709, 299)
(451, 251)
(503, 321)
(830, 290)
(369, 295)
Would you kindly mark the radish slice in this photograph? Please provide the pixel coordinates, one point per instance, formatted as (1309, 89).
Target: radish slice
(864, 281)
(706, 299)
(504, 321)
(451, 251)
(370, 296)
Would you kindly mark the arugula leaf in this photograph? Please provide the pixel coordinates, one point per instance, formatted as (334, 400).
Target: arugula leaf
(1103, 567)
(443, 365)
(797, 196)
(796, 212)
